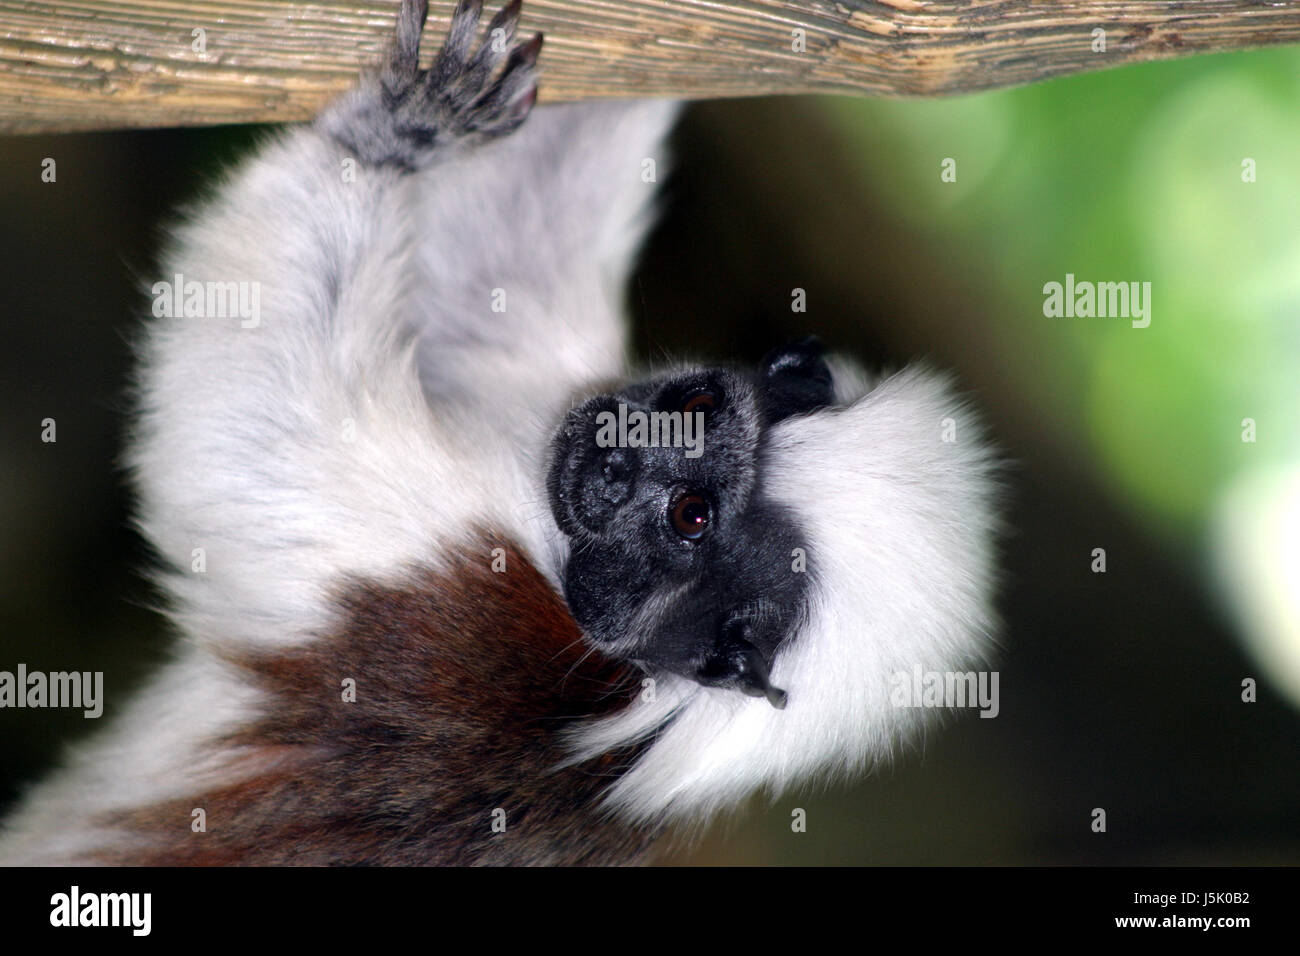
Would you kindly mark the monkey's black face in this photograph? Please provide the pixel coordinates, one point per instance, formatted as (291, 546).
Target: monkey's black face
(677, 558)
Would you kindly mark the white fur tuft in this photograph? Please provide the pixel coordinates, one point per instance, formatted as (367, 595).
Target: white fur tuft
(900, 529)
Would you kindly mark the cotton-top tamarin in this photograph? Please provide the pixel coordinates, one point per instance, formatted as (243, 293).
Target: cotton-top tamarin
(430, 610)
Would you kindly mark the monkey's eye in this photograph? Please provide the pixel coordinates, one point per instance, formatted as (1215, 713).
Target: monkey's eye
(701, 401)
(689, 516)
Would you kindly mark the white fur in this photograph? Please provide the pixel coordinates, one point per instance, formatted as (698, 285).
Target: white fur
(900, 528)
(242, 445)
(366, 435)
(151, 753)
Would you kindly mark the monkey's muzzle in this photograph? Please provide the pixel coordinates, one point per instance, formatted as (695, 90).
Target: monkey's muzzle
(587, 484)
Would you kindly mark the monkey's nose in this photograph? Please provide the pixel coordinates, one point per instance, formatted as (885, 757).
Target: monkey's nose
(617, 475)
(616, 469)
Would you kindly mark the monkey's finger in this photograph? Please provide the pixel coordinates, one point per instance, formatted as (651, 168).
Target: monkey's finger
(456, 48)
(508, 101)
(495, 49)
(403, 62)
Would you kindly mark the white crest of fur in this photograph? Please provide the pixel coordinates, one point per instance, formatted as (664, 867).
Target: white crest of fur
(900, 531)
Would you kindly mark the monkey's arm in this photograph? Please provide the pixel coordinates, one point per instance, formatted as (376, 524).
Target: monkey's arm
(333, 432)
(327, 438)
(524, 254)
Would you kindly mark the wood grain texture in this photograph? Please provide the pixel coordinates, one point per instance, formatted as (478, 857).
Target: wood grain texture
(93, 64)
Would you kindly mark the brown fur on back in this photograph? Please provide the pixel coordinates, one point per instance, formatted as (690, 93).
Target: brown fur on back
(465, 681)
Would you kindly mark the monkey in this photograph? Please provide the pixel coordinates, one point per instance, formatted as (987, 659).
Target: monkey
(425, 614)
(680, 563)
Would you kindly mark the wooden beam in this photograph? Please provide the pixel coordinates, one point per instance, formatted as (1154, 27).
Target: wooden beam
(94, 64)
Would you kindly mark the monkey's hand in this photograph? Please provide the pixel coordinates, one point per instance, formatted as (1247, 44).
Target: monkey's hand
(405, 117)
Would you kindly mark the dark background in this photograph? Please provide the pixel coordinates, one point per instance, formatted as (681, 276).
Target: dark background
(1119, 690)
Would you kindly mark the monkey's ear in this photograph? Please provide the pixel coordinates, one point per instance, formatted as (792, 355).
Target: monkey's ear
(794, 379)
